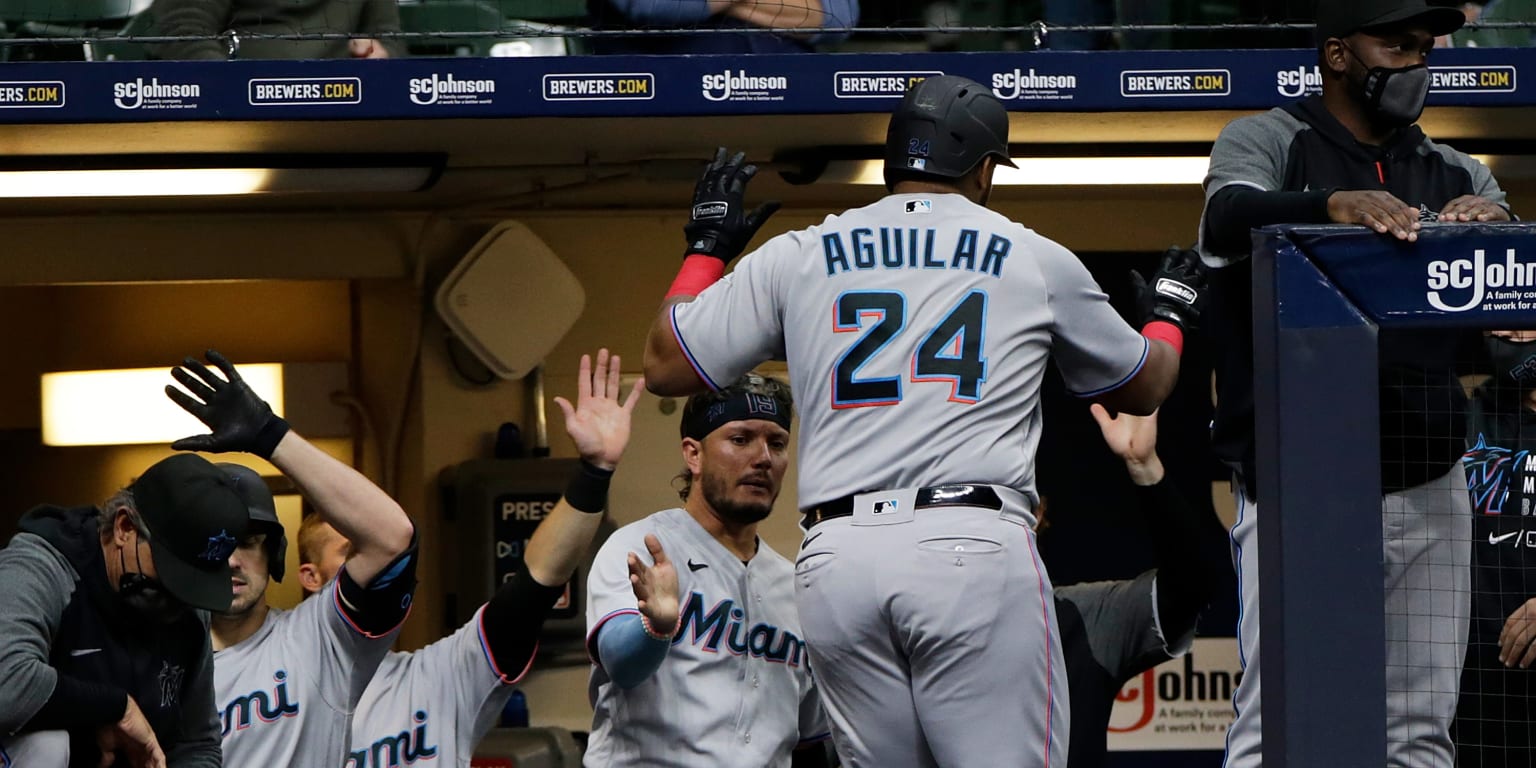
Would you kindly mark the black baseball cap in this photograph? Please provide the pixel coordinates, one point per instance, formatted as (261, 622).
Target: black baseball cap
(195, 519)
(1341, 18)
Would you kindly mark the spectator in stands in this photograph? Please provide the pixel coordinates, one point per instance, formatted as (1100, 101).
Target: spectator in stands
(710, 17)
(209, 19)
(1494, 724)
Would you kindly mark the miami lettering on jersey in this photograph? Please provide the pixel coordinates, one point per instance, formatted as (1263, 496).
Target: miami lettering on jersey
(238, 714)
(912, 248)
(393, 751)
(724, 621)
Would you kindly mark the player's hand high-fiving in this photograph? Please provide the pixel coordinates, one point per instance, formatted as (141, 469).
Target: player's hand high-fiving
(719, 223)
(1177, 292)
(240, 420)
(655, 588)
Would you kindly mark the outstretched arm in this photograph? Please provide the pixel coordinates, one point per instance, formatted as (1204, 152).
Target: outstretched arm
(1190, 546)
(378, 528)
(718, 230)
(599, 426)
(632, 647)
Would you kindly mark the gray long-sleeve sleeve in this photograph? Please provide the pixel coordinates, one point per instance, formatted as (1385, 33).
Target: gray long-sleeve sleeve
(38, 585)
(200, 745)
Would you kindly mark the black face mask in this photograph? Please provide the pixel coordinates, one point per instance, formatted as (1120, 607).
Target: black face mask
(1514, 362)
(1393, 97)
(147, 596)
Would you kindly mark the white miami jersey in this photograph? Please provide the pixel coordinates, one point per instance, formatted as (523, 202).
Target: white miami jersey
(736, 686)
(433, 704)
(917, 331)
(286, 693)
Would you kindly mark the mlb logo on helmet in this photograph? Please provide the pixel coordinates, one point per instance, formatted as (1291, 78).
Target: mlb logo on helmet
(881, 507)
(917, 163)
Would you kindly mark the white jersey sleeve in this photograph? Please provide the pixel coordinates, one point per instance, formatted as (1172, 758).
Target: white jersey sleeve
(436, 703)
(743, 313)
(1094, 348)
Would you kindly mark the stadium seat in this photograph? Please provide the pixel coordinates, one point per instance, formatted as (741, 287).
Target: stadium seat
(72, 18)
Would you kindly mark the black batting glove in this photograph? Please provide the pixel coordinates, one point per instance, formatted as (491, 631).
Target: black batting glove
(719, 224)
(1177, 291)
(240, 420)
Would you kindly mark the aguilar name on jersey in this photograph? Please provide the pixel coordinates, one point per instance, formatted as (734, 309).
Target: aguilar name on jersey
(897, 318)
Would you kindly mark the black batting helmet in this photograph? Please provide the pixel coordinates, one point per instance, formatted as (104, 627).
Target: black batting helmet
(944, 127)
(263, 510)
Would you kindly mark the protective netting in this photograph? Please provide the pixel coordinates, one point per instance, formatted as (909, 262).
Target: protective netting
(218, 29)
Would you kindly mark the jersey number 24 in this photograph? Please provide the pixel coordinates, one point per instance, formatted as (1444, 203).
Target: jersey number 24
(951, 352)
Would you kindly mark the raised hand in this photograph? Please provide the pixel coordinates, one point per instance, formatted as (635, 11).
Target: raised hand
(1177, 291)
(719, 224)
(599, 423)
(655, 587)
(240, 420)
(1134, 440)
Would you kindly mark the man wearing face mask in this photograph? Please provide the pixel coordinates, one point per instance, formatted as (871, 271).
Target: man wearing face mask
(1494, 714)
(104, 623)
(1352, 155)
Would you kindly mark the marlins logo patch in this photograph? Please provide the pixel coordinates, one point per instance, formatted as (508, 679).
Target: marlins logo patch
(220, 547)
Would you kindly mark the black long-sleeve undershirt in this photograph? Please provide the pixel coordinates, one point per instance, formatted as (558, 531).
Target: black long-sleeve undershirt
(1236, 210)
(1193, 560)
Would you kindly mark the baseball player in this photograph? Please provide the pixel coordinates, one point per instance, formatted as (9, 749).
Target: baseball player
(1494, 714)
(922, 595)
(1112, 631)
(1353, 155)
(286, 682)
(437, 703)
(705, 665)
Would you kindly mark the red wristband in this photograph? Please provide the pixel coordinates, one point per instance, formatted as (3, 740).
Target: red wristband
(698, 272)
(1162, 330)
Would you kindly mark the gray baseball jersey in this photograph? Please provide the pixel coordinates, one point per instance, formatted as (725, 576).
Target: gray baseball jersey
(433, 704)
(38, 749)
(287, 692)
(736, 686)
(942, 314)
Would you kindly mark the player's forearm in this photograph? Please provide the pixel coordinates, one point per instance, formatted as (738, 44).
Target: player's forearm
(1236, 210)
(559, 543)
(1193, 561)
(1150, 386)
(667, 370)
(627, 652)
(359, 510)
